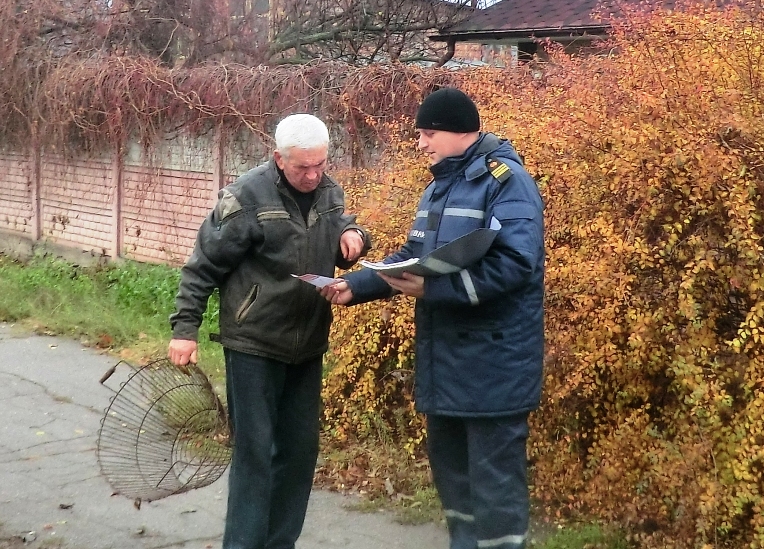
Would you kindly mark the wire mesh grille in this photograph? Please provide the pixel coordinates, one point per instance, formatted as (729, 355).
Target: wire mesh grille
(164, 432)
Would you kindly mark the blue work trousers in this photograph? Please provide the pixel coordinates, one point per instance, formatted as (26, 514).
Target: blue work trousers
(274, 413)
(479, 466)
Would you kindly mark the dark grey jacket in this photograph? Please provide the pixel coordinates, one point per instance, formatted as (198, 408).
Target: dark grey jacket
(249, 247)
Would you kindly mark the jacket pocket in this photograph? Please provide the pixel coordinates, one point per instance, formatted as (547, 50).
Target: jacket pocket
(247, 304)
(269, 215)
(508, 211)
(477, 369)
(334, 208)
(521, 223)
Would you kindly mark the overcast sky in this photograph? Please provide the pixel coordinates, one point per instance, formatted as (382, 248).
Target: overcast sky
(481, 3)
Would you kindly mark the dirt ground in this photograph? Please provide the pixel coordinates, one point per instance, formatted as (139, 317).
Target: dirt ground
(11, 543)
(15, 542)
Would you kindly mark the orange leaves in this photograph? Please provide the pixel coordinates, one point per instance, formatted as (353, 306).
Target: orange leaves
(654, 280)
(652, 168)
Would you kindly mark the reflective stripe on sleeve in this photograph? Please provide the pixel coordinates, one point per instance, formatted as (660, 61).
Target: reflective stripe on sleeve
(440, 267)
(470, 287)
(464, 212)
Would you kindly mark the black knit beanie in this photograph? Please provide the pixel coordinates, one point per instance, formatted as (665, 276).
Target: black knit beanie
(448, 110)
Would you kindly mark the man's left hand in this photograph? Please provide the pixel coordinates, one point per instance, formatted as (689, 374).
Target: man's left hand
(351, 244)
(410, 285)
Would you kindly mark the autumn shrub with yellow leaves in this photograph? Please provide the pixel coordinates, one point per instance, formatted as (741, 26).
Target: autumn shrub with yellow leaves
(650, 157)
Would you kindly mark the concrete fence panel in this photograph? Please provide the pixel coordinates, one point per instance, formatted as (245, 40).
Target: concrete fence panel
(16, 194)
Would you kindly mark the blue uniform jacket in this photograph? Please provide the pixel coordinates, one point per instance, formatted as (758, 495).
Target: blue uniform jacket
(480, 331)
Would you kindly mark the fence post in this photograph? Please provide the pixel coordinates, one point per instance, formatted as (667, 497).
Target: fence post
(34, 183)
(218, 161)
(116, 238)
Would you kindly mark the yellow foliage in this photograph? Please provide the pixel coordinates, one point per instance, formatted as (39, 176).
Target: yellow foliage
(651, 163)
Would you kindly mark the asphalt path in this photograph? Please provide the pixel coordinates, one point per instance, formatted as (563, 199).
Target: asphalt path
(52, 493)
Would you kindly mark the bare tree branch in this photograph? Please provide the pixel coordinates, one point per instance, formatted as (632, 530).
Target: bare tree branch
(362, 31)
(189, 32)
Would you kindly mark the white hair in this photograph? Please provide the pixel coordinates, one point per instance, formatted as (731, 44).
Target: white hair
(302, 131)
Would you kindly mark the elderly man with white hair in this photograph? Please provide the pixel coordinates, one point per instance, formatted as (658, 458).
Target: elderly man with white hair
(281, 218)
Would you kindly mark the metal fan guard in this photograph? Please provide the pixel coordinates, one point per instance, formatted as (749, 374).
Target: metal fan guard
(164, 432)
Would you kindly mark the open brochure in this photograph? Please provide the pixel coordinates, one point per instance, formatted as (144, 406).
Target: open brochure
(449, 258)
(317, 280)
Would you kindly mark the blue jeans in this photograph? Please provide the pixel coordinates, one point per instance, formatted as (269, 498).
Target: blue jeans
(479, 466)
(274, 414)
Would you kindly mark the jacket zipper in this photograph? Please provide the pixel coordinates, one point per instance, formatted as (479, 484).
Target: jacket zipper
(301, 262)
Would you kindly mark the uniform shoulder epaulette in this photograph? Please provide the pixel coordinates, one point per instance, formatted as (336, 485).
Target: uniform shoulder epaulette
(498, 169)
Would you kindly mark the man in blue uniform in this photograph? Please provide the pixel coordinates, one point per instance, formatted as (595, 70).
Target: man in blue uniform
(479, 340)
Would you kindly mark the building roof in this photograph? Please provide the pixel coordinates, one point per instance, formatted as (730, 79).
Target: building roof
(523, 17)
(538, 18)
